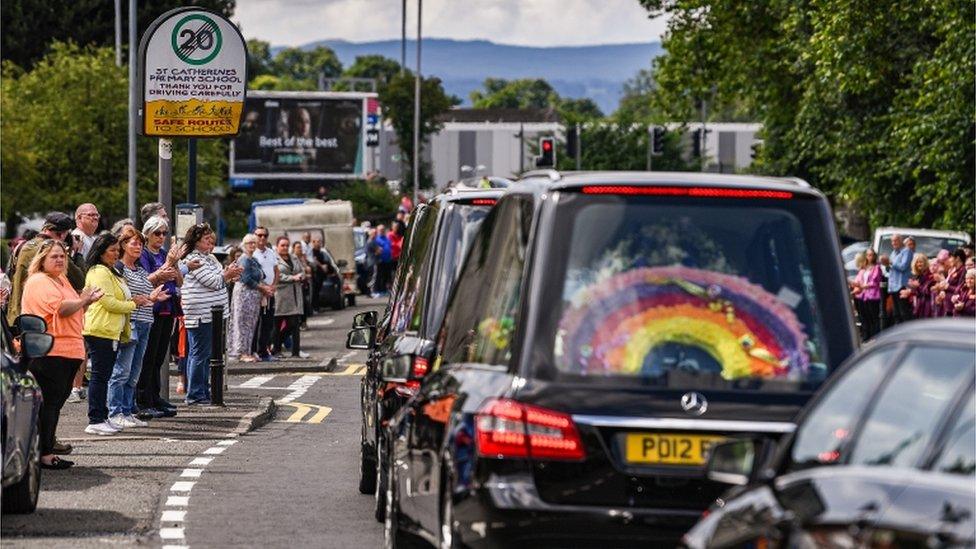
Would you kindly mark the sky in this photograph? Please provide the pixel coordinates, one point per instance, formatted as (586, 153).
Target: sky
(519, 22)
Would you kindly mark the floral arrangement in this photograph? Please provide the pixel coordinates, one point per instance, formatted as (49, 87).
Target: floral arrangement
(613, 325)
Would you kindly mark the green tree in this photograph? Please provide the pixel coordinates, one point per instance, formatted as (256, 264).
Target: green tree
(397, 99)
(515, 94)
(872, 102)
(258, 58)
(31, 26)
(383, 69)
(63, 135)
(306, 65)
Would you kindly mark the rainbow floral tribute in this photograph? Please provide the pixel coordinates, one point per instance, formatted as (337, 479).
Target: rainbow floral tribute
(613, 326)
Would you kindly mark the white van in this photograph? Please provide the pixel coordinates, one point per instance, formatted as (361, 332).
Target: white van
(927, 241)
(329, 220)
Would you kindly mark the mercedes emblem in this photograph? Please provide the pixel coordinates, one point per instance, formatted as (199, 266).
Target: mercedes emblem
(694, 403)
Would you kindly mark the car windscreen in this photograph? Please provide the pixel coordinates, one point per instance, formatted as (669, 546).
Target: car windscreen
(683, 292)
(928, 245)
(459, 226)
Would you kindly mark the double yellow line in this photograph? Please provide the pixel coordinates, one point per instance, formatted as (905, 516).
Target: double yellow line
(302, 410)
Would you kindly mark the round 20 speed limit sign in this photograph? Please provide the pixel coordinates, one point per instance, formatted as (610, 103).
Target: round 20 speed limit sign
(193, 75)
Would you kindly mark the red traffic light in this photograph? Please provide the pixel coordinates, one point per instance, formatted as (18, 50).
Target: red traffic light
(547, 145)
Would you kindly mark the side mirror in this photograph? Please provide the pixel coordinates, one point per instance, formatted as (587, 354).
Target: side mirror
(361, 338)
(364, 320)
(28, 323)
(404, 368)
(36, 344)
(342, 263)
(732, 462)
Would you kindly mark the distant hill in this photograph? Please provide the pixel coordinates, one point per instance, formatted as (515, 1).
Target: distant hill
(597, 72)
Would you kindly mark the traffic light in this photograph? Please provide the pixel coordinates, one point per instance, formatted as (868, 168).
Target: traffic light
(372, 138)
(547, 153)
(697, 140)
(657, 141)
(571, 137)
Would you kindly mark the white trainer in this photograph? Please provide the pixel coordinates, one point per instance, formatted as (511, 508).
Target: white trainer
(133, 421)
(117, 422)
(103, 429)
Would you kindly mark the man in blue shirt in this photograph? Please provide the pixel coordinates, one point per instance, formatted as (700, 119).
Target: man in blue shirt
(384, 260)
(901, 270)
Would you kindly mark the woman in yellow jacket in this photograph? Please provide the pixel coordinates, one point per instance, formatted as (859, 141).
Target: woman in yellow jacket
(107, 324)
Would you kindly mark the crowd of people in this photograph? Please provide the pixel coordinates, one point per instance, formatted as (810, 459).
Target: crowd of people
(383, 248)
(118, 302)
(906, 285)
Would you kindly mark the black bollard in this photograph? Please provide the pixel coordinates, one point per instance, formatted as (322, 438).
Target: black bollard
(217, 356)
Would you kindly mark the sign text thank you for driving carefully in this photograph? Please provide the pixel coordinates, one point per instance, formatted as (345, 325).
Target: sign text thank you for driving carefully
(194, 75)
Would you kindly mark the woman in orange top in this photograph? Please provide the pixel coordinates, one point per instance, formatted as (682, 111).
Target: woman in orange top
(49, 295)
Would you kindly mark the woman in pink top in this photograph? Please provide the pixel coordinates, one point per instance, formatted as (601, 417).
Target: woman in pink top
(49, 295)
(867, 292)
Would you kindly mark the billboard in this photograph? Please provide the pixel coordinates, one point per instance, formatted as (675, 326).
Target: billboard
(300, 136)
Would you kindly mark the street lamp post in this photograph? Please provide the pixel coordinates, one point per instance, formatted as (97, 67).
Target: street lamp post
(133, 106)
(416, 110)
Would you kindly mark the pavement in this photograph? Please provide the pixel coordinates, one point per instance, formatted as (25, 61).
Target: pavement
(133, 489)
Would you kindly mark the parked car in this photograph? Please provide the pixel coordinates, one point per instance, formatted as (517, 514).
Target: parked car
(849, 254)
(441, 233)
(21, 405)
(927, 241)
(331, 293)
(884, 456)
(605, 331)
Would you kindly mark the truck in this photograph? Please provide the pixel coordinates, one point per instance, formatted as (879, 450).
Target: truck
(332, 221)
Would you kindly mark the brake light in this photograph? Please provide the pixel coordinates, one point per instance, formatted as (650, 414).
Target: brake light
(483, 202)
(508, 429)
(420, 366)
(418, 369)
(697, 192)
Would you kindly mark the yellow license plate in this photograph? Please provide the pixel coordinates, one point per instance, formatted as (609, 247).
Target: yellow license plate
(668, 448)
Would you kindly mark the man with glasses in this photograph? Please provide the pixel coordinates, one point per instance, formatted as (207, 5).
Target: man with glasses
(268, 259)
(86, 221)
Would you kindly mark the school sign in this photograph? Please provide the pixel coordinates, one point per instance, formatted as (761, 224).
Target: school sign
(193, 75)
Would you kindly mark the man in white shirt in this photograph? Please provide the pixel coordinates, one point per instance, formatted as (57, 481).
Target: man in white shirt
(268, 259)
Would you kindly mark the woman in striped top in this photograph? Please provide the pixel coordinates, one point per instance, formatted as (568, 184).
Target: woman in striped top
(203, 288)
(128, 361)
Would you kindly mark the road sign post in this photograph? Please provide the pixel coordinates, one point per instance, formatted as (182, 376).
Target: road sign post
(193, 80)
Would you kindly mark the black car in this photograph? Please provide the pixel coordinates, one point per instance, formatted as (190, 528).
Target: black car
(441, 233)
(21, 405)
(884, 456)
(605, 331)
(330, 293)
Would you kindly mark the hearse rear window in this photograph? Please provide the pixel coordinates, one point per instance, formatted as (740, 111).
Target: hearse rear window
(675, 288)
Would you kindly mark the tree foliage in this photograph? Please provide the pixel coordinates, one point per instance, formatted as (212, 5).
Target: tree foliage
(30, 27)
(870, 101)
(63, 135)
(383, 69)
(305, 65)
(397, 99)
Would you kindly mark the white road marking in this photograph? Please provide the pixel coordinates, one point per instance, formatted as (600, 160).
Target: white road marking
(346, 357)
(171, 533)
(298, 388)
(256, 381)
(170, 516)
(173, 516)
(314, 322)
